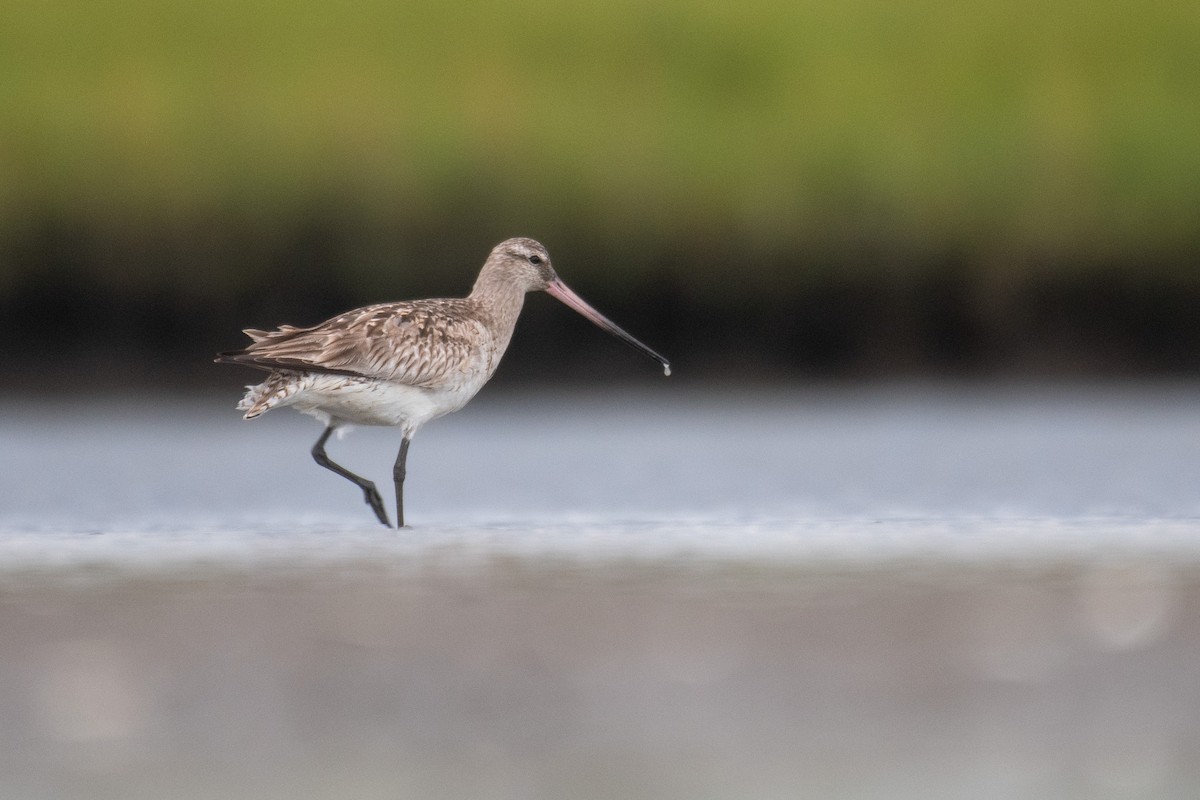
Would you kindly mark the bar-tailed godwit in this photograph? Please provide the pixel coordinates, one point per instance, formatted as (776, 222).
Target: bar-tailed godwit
(404, 364)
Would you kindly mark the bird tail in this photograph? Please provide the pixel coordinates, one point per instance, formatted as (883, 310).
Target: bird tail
(261, 398)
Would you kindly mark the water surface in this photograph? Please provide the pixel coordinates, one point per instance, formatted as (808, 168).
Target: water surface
(851, 473)
(898, 592)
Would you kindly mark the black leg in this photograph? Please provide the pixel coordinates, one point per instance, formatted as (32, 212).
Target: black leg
(370, 493)
(398, 477)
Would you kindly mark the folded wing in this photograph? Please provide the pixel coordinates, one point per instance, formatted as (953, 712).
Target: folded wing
(420, 343)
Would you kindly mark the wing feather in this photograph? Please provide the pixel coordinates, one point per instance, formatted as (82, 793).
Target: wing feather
(419, 343)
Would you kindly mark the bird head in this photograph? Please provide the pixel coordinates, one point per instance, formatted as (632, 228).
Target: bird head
(523, 263)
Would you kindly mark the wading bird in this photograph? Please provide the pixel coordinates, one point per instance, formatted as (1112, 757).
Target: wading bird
(404, 364)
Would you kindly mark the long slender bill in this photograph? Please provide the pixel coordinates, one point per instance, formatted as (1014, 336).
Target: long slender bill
(559, 291)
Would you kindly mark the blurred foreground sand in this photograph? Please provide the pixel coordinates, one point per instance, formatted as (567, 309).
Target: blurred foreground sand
(537, 678)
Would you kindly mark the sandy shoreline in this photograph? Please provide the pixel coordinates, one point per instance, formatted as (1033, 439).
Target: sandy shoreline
(520, 678)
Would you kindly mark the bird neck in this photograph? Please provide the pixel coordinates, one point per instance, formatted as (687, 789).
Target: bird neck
(499, 299)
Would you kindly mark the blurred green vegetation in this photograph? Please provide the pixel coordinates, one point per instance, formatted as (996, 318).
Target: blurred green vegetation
(199, 152)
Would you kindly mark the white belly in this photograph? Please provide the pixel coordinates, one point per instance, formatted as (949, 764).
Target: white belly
(363, 401)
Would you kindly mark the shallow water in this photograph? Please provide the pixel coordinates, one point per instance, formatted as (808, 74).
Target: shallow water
(857, 474)
(875, 593)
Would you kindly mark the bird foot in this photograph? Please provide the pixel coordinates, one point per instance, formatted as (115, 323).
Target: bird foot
(372, 498)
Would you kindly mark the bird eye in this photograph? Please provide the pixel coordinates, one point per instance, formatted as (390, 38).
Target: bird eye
(535, 259)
